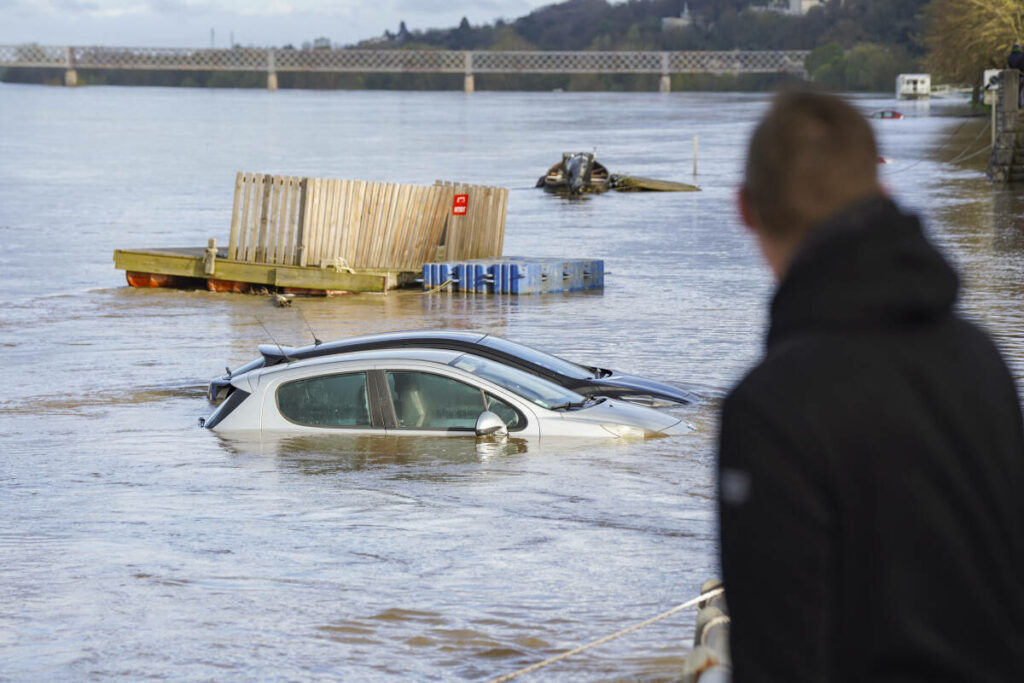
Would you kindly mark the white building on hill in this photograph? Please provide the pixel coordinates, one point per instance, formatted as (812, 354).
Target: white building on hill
(677, 23)
(794, 7)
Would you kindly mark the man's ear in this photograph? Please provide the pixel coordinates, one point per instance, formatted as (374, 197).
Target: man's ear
(746, 209)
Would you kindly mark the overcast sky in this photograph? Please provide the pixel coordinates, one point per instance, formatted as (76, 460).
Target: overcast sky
(187, 23)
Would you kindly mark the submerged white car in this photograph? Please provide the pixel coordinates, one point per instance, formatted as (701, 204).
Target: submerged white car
(423, 392)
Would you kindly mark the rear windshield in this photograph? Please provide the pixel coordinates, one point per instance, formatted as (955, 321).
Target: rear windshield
(545, 360)
(534, 389)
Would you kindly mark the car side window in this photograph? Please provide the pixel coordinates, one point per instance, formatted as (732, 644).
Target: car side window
(509, 415)
(326, 401)
(426, 401)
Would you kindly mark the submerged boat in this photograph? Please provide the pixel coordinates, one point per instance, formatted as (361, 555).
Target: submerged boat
(576, 173)
(579, 172)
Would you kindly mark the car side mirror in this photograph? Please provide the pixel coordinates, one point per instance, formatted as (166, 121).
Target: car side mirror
(488, 423)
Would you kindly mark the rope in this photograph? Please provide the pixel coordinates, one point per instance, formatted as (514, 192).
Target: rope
(944, 145)
(960, 157)
(539, 665)
(721, 619)
(341, 265)
(439, 287)
(980, 151)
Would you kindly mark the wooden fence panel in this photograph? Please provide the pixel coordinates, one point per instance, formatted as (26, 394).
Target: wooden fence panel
(270, 244)
(374, 236)
(403, 225)
(243, 225)
(332, 240)
(438, 216)
(353, 225)
(387, 223)
(315, 222)
(480, 232)
(302, 242)
(499, 223)
(260, 243)
(233, 235)
(361, 225)
(295, 218)
(323, 223)
(252, 229)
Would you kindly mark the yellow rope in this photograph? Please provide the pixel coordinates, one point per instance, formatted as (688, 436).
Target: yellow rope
(533, 667)
(439, 287)
(720, 619)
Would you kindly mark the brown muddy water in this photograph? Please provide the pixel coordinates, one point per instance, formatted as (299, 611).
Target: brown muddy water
(136, 545)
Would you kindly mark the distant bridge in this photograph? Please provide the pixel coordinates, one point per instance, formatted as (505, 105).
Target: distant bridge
(468, 63)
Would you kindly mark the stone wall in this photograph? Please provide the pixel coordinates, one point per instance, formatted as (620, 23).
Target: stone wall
(1006, 163)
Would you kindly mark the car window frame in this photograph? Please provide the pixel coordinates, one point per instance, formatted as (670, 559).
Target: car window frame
(390, 416)
(373, 404)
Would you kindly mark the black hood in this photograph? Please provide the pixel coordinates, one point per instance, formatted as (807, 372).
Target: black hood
(868, 266)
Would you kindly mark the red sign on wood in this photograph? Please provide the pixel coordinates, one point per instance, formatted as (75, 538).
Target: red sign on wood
(460, 205)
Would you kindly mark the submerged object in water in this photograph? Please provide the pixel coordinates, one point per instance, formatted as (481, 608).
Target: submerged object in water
(580, 172)
(632, 183)
(576, 173)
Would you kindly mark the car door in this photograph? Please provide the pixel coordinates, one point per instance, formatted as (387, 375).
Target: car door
(334, 401)
(424, 402)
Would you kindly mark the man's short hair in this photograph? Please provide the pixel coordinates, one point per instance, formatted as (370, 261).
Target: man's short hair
(811, 155)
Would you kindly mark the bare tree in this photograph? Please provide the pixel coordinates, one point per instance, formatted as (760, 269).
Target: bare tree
(965, 37)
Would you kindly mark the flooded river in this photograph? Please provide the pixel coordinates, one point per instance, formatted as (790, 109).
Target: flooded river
(136, 545)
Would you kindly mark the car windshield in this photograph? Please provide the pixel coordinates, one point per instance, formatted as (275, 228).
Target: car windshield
(544, 360)
(534, 389)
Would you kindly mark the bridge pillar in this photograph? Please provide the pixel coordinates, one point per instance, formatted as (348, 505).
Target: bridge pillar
(70, 73)
(469, 83)
(271, 73)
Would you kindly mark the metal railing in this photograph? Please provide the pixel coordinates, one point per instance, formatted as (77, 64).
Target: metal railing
(402, 61)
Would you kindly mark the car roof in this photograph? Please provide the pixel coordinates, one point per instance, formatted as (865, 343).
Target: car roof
(439, 356)
(276, 354)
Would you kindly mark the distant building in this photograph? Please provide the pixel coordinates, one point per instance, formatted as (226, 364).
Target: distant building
(913, 86)
(793, 7)
(677, 23)
(801, 7)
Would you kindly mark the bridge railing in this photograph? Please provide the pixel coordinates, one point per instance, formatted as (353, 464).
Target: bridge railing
(435, 61)
(469, 63)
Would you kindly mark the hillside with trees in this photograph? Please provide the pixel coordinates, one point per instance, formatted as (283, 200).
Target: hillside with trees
(857, 44)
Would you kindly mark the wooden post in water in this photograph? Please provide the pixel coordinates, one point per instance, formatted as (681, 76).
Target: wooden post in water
(666, 79)
(694, 156)
(469, 83)
(70, 73)
(210, 257)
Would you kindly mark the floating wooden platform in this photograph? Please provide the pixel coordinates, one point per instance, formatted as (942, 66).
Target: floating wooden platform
(316, 235)
(190, 267)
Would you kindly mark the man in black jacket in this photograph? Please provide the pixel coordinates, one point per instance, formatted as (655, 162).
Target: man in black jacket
(1015, 60)
(871, 467)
